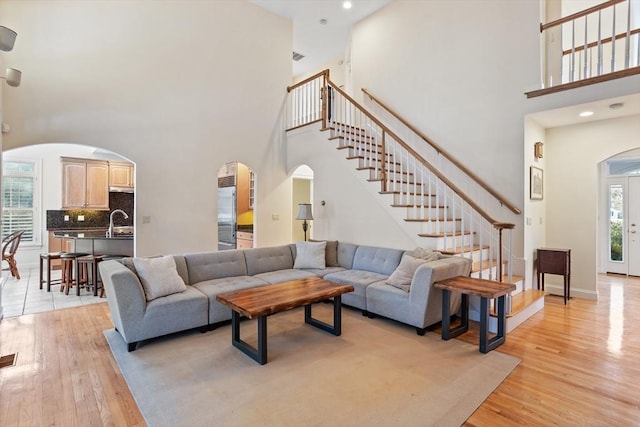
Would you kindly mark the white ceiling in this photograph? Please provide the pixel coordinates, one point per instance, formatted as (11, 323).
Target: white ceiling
(601, 111)
(320, 44)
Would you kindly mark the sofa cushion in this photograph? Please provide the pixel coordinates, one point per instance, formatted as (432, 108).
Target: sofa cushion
(402, 276)
(310, 255)
(346, 252)
(331, 252)
(214, 265)
(211, 288)
(181, 265)
(321, 272)
(159, 276)
(286, 275)
(359, 280)
(272, 258)
(378, 260)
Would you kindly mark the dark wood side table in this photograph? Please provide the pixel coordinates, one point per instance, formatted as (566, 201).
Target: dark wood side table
(486, 290)
(555, 261)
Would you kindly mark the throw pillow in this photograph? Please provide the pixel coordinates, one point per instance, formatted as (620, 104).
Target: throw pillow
(159, 276)
(310, 255)
(426, 254)
(403, 274)
(331, 253)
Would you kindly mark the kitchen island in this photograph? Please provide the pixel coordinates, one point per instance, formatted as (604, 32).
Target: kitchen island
(96, 242)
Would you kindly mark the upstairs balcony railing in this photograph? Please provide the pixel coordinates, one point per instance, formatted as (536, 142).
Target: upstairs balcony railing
(443, 210)
(593, 45)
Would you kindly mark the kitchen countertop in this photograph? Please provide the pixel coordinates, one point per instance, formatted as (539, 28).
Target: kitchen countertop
(91, 234)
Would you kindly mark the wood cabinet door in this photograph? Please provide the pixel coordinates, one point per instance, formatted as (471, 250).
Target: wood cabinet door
(74, 184)
(97, 185)
(120, 175)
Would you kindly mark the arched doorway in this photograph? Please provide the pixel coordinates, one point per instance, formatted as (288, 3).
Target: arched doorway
(236, 203)
(620, 227)
(301, 193)
(47, 209)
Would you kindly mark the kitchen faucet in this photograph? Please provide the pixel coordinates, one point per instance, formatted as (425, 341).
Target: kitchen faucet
(110, 230)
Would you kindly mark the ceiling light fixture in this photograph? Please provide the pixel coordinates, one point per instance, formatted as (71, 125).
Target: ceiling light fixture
(7, 38)
(323, 21)
(13, 77)
(347, 5)
(616, 105)
(586, 114)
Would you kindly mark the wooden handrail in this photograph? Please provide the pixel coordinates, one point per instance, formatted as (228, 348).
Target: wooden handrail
(448, 156)
(579, 14)
(607, 40)
(308, 79)
(417, 156)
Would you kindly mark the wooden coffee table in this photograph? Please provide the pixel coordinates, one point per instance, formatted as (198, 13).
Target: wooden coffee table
(263, 301)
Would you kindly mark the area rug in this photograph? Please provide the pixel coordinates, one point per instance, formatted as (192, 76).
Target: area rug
(377, 373)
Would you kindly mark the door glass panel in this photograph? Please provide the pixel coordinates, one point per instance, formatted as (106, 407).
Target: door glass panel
(616, 219)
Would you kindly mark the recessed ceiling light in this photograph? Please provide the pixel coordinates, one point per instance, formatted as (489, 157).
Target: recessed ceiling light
(586, 114)
(323, 21)
(347, 5)
(616, 105)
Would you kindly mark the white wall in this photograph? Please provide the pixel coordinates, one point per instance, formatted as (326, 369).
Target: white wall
(354, 211)
(178, 87)
(572, 157)
(534, 210)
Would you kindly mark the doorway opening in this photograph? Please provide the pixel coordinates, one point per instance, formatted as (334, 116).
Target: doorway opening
(621, 224)
(236, 203)
(301, 193)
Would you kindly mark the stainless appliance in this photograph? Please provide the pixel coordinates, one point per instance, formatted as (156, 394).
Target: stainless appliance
(227, 221)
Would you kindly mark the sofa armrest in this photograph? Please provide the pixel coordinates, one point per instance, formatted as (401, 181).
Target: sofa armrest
(424, 299)
(125, 297)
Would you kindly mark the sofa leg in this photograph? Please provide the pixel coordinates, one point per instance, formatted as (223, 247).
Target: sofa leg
(365, 313)
(370, 315)
(421, 331)
(203, 329)
(131, 346)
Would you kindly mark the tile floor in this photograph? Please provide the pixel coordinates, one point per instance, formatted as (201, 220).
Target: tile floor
(24, 296)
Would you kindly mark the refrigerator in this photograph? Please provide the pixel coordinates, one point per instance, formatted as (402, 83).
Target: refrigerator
(227, 222)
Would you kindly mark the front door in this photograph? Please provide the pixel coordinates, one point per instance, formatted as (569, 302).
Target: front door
(624, 225)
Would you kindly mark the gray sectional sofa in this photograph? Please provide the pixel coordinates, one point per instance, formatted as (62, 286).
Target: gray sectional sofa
(208, 274)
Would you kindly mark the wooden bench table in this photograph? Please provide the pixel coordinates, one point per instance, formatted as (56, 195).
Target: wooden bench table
(266, 300)
(486, 290)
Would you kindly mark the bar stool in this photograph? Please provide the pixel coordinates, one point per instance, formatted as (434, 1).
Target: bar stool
(49, 257)
(89, 264)
(68, 261)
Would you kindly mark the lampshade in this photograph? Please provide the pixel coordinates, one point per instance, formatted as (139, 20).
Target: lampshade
(304, 211)
(7, 38)
(13, 77)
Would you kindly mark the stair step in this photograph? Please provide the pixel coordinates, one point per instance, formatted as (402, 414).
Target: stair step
(462, 249)
(388, 162)
(433, 220)
(443, 235)
(521, 301)
(418, 206)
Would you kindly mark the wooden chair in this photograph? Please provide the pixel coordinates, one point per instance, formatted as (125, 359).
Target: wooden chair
(9, 248)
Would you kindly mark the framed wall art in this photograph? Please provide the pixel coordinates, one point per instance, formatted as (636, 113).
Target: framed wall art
(536, 183)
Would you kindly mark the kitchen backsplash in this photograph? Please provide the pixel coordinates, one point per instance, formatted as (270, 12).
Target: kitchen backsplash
(92, 218)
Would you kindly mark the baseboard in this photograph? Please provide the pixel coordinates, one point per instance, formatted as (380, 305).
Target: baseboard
(575, 292)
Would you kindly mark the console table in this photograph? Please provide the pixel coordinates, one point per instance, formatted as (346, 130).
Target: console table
(555, 261)
(486, 290)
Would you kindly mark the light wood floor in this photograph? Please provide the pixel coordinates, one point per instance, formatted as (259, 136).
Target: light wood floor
(580, 366)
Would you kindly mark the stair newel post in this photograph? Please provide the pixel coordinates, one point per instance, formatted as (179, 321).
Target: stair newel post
(383, 161)
(324, 94)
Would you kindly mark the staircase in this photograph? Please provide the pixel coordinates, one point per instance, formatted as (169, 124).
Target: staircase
(443, 216)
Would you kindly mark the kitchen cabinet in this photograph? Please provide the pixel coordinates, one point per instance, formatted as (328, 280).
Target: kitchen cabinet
(244, 240)
(85, 184)
(243, 189)
(58, 244)
(120, 175)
